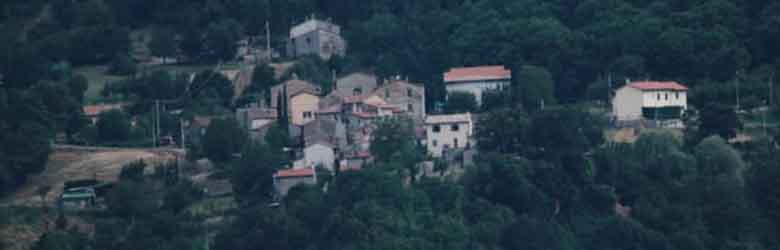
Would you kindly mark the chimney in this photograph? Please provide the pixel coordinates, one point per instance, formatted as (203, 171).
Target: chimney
(628, 80)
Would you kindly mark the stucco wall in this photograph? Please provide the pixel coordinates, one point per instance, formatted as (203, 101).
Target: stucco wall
(476, 87)
(301, 103)
(436, 141)
(318, 154)
(667, 98)
(627, 104)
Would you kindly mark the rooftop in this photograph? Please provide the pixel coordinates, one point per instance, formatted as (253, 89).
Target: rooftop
(478, 73)
(453, 118)
(290, 173)
(94, 110)
(654, 85)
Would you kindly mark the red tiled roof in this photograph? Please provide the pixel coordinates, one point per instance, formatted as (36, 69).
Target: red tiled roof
(477, 73)
(355, 98)
(651, 85)
(301, 172)
(94, 110)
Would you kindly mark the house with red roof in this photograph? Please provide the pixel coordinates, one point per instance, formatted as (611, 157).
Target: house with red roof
(477, 80)
(286, 179)
(650, 100)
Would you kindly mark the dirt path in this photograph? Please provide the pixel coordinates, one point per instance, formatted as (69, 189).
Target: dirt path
(71, 163)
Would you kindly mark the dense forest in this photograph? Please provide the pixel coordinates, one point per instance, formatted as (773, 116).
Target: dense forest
(543, 179)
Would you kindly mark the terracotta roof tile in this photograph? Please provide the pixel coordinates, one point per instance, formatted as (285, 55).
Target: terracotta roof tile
(300, 172)
(94, 110)
(477, 74)
(654, 85)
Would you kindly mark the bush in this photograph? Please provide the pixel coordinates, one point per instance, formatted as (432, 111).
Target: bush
(122, 65)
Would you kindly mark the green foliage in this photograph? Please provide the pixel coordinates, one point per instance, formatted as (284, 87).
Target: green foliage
(718, 119)
(535, 88)
(221, 40)
(391, 138)
(122, 65)
(129, 199)
(62, 240)
(223, 138)
(212, 86)
(717, 157)
(163, 43)
(113, 126)
(252, 174)
(181, 196)
(502, 130)
(460, 102)
(133, 172)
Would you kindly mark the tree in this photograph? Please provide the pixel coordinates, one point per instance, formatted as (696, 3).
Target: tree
(535, 88)
(252, 174)
(717, 157)
(460, 102)
(263, 78)
(565, 132)
(223, 138)
(122, 65)
(530, 233)
(503, 130)
(221, 40)
(390, 137)
(163, 43)
(212, 85)
(113, 126)
(718, 119)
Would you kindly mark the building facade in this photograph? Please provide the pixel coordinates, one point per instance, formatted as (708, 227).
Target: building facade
(407, 96)
(650, 101)
(477, 80)
(320, 153)
(447, 132)
(302, 100)
(316, 37)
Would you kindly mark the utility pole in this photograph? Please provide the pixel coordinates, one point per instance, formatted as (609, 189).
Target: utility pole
(157, 122)
(154, 128)
(609, 88)
(181, 130)
(771, 91)
(268, 37)
(737, 89)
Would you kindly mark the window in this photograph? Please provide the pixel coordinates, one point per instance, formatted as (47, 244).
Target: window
(435, 143)
(455, 142)
(308, 40)
(658, 97)
(455, 127)
(357, 91)
(410, 107)
(409, 92)
(436, 128)
(666, 96)
(387, 93)
(307, 114)
(677, 95)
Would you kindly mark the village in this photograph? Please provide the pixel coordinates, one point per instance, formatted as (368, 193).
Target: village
(414, 125)
(334, 130)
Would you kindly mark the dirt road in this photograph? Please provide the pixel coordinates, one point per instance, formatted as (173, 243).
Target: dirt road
(71, 163)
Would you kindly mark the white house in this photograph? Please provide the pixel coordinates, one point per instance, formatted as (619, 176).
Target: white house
(476, 80)
(650, 101)
(448, 132)
(320, 153)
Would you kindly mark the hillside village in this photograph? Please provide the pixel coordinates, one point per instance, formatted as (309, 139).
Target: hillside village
(409, 125)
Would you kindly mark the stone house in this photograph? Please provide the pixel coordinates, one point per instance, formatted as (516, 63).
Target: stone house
(447, 132)
(316, 37)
